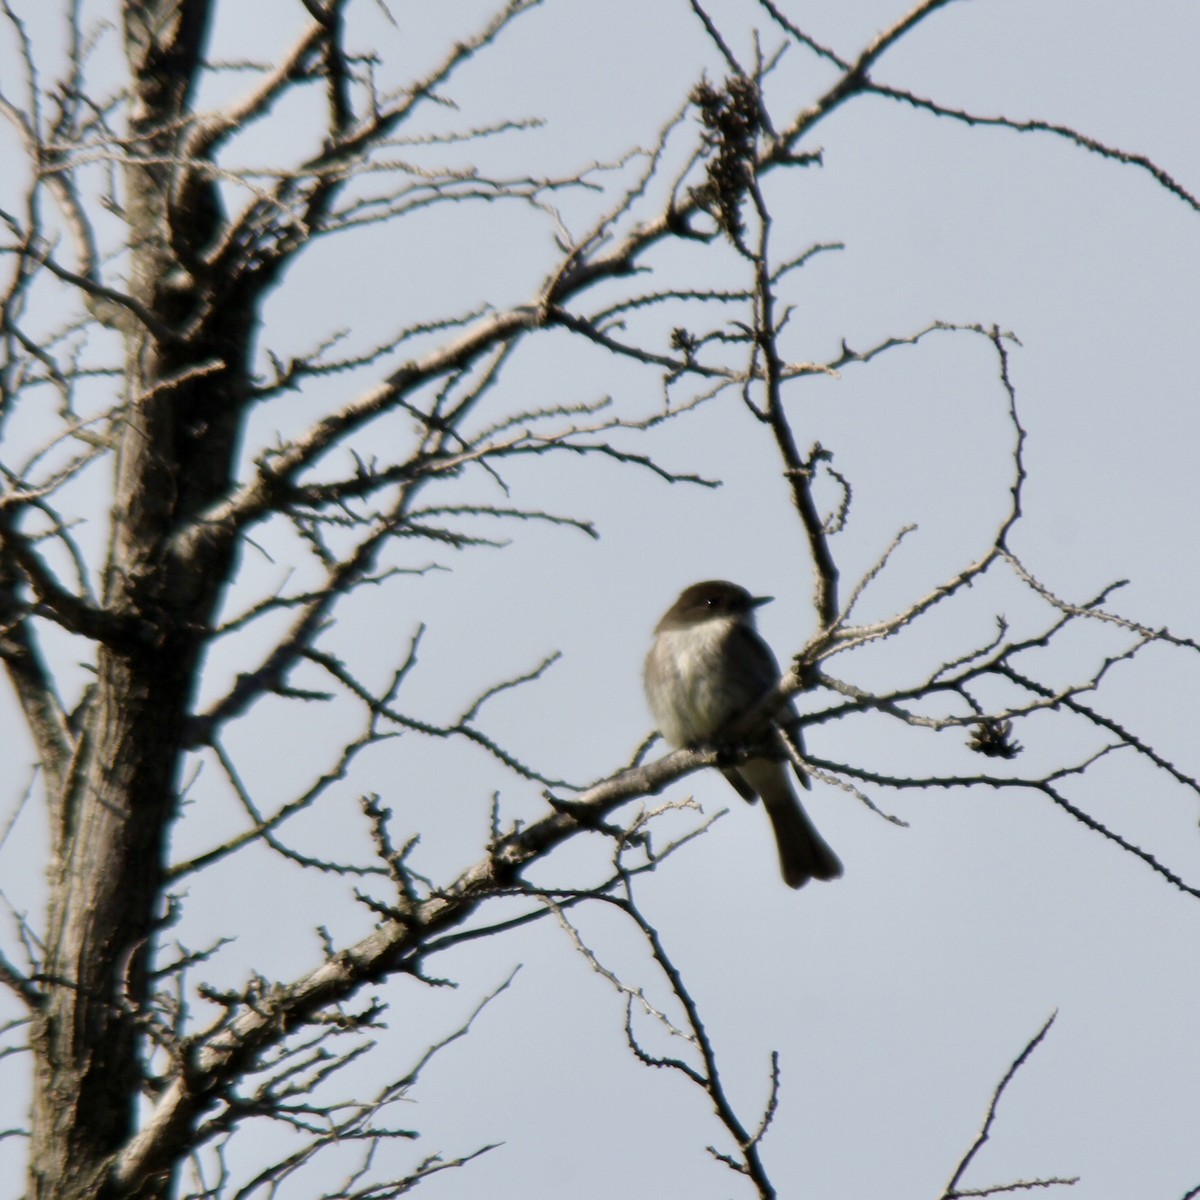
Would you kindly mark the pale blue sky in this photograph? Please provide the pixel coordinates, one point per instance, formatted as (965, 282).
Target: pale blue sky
(897, 996)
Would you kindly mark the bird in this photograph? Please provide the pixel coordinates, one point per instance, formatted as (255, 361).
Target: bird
(707, 667)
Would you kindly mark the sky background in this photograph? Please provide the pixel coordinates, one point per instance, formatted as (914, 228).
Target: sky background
(898, 996)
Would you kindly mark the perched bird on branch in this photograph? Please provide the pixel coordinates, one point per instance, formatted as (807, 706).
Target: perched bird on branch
(707, 670)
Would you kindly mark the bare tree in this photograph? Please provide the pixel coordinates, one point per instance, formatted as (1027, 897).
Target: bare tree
(140, 263)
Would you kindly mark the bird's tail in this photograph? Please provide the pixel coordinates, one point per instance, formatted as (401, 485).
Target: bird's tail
(803, 852)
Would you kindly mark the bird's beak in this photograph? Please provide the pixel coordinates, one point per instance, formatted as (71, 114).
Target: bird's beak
(758, 601)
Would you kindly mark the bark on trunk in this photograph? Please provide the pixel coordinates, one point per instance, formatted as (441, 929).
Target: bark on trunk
(185, 372)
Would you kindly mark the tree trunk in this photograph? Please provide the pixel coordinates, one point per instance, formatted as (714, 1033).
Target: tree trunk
(185, 369)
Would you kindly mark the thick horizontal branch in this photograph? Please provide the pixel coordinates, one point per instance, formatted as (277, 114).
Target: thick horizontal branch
(222, 1058)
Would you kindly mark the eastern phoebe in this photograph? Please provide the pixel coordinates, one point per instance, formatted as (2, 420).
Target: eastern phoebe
(707, 667)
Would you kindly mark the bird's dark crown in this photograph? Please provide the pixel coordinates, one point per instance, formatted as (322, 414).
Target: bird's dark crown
(712, 598)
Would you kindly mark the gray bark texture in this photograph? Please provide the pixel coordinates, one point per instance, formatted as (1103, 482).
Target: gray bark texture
(114, 803)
